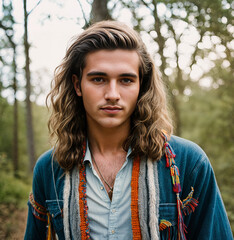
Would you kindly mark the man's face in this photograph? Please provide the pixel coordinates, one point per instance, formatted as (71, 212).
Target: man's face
(109, 87)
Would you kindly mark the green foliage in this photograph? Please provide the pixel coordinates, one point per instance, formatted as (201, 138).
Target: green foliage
(6, 127)
(6, 137)
(41, 134)
(13, 190)
(207, 119)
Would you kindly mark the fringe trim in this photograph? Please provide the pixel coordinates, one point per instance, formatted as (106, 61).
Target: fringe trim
(181, 226)
(66, 194)
(74, 211)
(164, 224)
(142, 203)
(157, 193)
(153, 221)
(167, 230)
(136, 231)
(189, 204)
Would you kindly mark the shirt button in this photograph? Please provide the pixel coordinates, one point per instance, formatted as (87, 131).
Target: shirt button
(113, 231)
(113, 210)
(102, 187)
(52, 215)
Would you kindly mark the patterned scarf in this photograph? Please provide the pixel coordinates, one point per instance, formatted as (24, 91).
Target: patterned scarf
(144, 189)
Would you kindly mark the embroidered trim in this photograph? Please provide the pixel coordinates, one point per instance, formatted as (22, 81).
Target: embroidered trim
(136, 231)
(38, 210)
(84, 224)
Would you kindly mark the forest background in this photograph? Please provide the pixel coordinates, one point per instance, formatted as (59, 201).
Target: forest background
(191, 42)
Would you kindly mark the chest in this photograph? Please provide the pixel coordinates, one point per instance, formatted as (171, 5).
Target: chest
(104, 215)
(107, 169)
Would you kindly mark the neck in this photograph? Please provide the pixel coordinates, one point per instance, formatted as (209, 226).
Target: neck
(107, 140)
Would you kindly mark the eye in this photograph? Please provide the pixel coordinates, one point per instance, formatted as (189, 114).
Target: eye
(126, 80)
(98, 79)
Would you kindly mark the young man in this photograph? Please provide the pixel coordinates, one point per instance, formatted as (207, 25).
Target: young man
(114, 170)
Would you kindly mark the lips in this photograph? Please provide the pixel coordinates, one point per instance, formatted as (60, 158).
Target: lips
(111, 109)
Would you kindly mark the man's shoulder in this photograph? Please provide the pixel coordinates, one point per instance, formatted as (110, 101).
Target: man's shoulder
(181, 145)
(45, 162)
(188, 154)
(46, 167)
(45, 159)
(190, 158)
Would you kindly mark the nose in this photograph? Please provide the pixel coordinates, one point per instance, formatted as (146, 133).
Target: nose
(112, 91)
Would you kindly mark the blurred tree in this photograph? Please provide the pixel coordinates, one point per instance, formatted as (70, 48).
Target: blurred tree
(29, 121)
(184, 33)
(7, 24)
(99, 11)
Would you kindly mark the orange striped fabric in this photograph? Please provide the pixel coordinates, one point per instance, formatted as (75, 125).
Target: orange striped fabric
(134, 199)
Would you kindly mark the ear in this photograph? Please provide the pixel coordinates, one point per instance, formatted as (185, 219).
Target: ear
(76, 84)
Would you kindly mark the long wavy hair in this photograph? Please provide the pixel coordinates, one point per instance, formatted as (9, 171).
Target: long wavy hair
(67, 123)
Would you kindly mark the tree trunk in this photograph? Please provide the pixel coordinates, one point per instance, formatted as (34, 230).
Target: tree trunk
(176, 114)
(29, 121)
(15, 120)
(99, 11)
(161, 40)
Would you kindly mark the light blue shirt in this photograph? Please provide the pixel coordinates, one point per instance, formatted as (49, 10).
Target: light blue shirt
(109, 219)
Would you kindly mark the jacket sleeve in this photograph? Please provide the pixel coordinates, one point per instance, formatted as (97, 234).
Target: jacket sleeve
(209, 221)
(36, 228)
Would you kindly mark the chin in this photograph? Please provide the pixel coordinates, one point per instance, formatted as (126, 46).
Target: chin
(111, 124)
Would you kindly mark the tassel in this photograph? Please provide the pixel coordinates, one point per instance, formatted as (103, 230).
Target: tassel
(189, 204)
(175, 178)
(49, 226)
(181, 226)
(164, 224)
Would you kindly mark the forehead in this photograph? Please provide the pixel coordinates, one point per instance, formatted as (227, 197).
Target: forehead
(112, 60)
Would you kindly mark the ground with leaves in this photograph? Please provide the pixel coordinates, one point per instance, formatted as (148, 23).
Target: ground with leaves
(12, 222)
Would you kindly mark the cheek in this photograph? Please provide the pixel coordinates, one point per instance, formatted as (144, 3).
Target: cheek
(134, 93)
(132, 97)
(90, 97)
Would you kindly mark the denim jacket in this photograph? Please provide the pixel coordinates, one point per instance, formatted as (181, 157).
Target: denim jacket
(207, 221)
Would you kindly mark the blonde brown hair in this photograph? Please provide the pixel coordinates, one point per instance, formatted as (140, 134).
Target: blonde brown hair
(67, 123)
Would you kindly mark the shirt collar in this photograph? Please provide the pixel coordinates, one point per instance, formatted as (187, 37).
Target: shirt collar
(88, 157)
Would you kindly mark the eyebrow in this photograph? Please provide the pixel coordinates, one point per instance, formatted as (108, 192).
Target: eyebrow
(97, 73)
